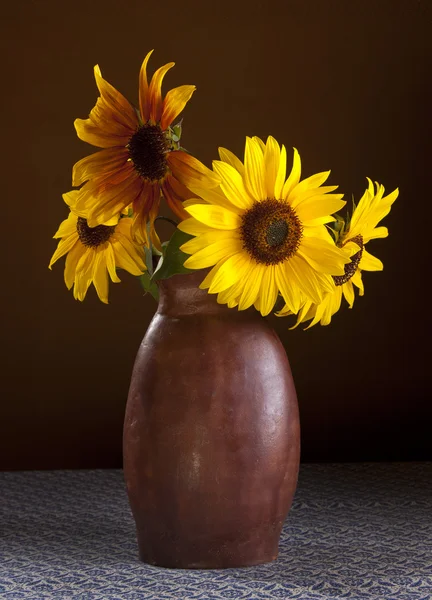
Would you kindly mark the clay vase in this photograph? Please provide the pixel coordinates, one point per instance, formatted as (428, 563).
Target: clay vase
(211, 434)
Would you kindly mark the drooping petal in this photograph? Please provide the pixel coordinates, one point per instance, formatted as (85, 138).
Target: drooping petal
(65, 245)
(175, 101)
(369, 262)
(100, 275)
(71, 263)
(67, 227)
(287, 286)
(175, 194)
(348, 292)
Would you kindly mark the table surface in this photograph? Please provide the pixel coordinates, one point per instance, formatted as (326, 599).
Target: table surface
(356, 531)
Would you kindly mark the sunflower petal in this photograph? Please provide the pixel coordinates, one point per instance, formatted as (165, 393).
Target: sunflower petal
(232, 185)
(294, 176)
(175, 101)
(210, 255)
(254, 170)
(369, 262)
(155, 92)
(215, 216)
(143, 89)
(190, 171)
(231, 159)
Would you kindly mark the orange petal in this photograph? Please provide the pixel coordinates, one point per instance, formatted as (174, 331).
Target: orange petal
(146, 207)
(124, 111)
(143, 90)
(104, 161)
(175, 194)
(190, 171)
(174, 103)
(95, 135)
(155, 92)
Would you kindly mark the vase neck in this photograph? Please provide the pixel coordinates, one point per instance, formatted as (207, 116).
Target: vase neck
(180, 295)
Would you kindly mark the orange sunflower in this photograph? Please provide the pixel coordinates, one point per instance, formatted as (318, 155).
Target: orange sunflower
(140, 157)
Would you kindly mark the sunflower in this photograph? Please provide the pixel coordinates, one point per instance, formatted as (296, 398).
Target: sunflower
(262, 233)
(140, 156)
(93, 253)
(352, 238)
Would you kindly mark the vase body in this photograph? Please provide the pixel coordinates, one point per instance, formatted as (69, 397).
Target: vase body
(211, 435)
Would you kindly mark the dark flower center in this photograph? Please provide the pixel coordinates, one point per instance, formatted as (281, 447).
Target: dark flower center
(271, 231)
(93, 236)
(351, 267)
(147, 150)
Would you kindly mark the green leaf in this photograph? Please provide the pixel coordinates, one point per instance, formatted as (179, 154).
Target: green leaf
(171, 263)
(149, 286)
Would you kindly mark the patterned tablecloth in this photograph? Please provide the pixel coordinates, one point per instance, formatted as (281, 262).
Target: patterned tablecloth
(357, 531)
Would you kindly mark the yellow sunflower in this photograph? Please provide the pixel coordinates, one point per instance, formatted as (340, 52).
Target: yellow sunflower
(262, 233)
(352, 239)
(140, 158)
(93, 253)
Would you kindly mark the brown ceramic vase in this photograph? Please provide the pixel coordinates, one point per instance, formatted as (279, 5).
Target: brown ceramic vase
(211, 434)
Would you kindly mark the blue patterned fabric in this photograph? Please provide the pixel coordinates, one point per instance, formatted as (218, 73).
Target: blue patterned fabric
(356, 531)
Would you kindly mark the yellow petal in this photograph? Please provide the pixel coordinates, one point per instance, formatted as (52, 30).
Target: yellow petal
(281, 174)
(294, 176)
(310, 183)
(71, 263)
(100, 276)
(175, 101)
(348, 292)
(64, 246)
(232, 185)
(210, 255)
(254, 170)
(271, 165)
(269, 291)
(234, 269)
(357, 280)
(322, 256)
(319, 206)
(217, 197)
(369, 262)
(67, 227)
(84, 274)
(110, 263)
(194, 227)
(215, 216)
(287, 286)
(205, 239)
(231, 159)
(251, 287)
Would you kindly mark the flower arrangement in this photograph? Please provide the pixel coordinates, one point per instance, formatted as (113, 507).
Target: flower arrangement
(267, 238)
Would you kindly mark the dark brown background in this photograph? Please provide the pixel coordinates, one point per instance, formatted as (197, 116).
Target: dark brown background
(346, 82)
